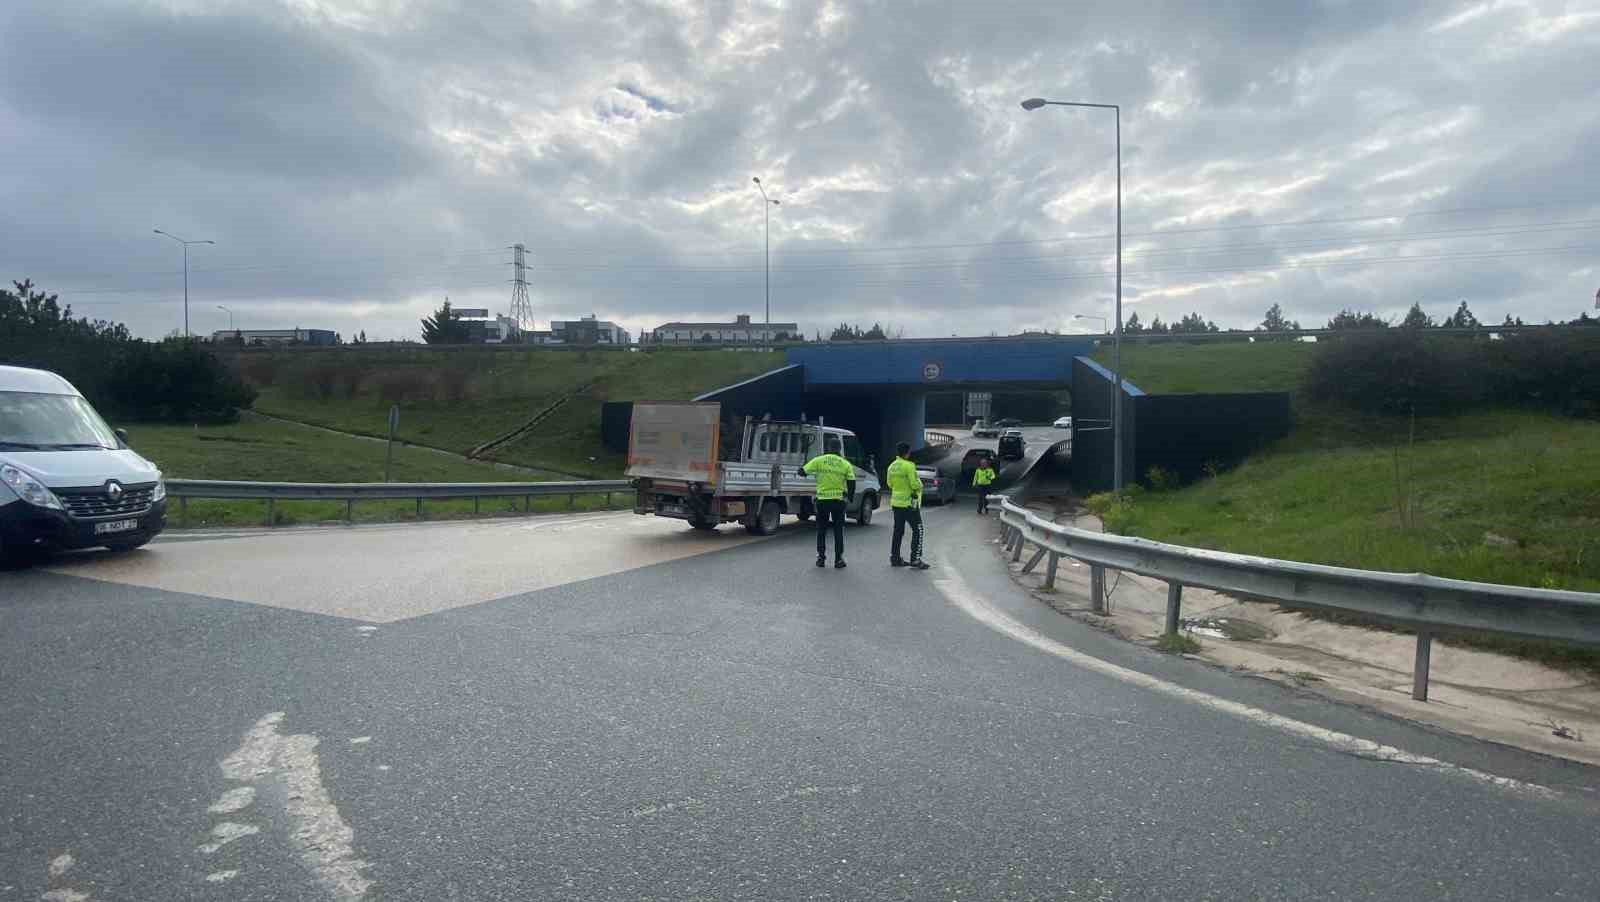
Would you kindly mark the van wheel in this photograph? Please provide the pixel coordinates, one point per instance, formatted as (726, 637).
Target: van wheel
(864, 514)
(766, 520)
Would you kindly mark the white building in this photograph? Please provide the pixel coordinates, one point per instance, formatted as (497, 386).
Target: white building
(740, 331)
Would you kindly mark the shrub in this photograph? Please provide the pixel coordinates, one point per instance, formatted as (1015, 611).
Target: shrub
(1161, 479)
(403, 385)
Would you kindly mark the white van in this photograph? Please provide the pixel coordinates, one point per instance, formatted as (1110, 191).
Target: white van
(67, 480)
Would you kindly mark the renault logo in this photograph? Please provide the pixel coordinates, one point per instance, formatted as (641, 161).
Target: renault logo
(114, 489)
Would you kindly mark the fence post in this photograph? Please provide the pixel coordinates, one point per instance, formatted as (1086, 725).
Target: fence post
(1419, 676)
(271, 520)
(1050, 570)
(1174, 606)
(1097, 588)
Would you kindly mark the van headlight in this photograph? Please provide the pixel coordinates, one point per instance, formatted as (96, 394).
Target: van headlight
(27, 488)
(160, 493)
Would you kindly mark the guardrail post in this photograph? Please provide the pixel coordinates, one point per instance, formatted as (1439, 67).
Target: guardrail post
(527, 504)
(475, 509)
(1050, 570)
(608, 501)
(419, 508)
(1097, 588)
(1034, 561)
(1174, 607)
(1016, 547)
(349, 510)
(572, 501)
(183, 511)
(271, 520)
(1419, 676)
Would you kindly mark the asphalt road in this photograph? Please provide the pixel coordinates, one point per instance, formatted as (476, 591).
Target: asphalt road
(1037, 440)
(530, 710)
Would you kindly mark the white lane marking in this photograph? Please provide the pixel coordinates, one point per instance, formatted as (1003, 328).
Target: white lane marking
(808, 791)
(221, 876)
(317, 831)
(233, 800)
(57, 869)
(64, 895)
(227, 832)
(366, 629)
(361, 740)
(958, 593)
(61, 864)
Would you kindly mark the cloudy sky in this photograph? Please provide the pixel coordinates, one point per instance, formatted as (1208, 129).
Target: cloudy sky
(358, 160)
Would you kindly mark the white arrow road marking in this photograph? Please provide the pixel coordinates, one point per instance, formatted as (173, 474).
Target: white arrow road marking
(227, 832)
(234, 800)
(958, 593)
(289, 765)
(58, 868)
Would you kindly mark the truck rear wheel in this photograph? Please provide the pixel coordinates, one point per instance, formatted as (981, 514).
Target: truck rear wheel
(699, 523)
(766, 522)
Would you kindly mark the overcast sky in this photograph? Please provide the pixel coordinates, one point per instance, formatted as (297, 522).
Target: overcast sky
(357, 160)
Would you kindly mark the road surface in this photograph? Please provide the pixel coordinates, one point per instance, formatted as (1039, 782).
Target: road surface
(1038, 440)
(610, 707)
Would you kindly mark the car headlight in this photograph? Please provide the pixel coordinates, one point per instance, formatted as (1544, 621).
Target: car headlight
(27, 488)
(160, 494)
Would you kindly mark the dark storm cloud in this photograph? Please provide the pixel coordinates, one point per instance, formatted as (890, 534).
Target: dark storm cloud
(356, 161)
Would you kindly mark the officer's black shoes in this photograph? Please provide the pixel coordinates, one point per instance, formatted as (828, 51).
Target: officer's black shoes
(920, 565)
(839, 564)
(822, 561)
(896, 562)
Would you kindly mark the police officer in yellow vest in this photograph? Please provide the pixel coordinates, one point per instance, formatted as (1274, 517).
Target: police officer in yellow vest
(836, 487)
(906, 487)
(982, 478)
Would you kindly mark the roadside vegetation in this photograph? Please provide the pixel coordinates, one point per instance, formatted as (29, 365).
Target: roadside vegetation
(272, 451)
(459, 399)
(1455, 457)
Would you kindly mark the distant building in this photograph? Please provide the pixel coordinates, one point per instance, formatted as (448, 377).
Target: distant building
(588, 331)
(484, 329)
(740, 331)
(276, 336)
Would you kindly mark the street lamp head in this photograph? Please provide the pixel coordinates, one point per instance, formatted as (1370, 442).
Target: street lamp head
(775, 203)
(1033, 103)
(158, 231)
(755, 179)
(208, 242)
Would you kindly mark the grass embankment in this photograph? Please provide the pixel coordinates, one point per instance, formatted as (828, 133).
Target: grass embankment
(1508, 497)
(457, 399)
(266, 450)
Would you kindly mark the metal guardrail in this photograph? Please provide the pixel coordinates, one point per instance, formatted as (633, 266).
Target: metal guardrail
(351, 492)
(1415, 600)
(937, 438)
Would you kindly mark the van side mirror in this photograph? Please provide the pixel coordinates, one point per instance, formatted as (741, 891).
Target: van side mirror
(122, 436)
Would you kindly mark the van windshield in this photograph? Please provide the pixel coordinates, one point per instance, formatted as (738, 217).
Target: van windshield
(36, 422)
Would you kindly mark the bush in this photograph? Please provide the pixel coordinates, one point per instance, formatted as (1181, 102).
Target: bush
(398, 385)
(1161, 479)
(176, 382)
(1403, 371)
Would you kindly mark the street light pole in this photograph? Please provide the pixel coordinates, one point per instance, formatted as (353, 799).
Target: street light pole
(185, 274)
(1033, 103)
(230, 316)
(766, 215)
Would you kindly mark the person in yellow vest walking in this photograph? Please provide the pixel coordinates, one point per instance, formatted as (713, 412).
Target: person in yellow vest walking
(906, 500)
(982, 478)
(836, 487)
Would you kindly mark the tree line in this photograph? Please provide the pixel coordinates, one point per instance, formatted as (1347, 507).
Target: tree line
(1275, 320)
(173, 380)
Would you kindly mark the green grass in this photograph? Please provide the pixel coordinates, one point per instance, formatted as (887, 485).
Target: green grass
(266, 450)
(1504, 497)
(1177, 644)
(459, 399)
(1177, 368)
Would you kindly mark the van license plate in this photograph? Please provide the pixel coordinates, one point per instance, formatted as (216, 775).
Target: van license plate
(101, 529)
